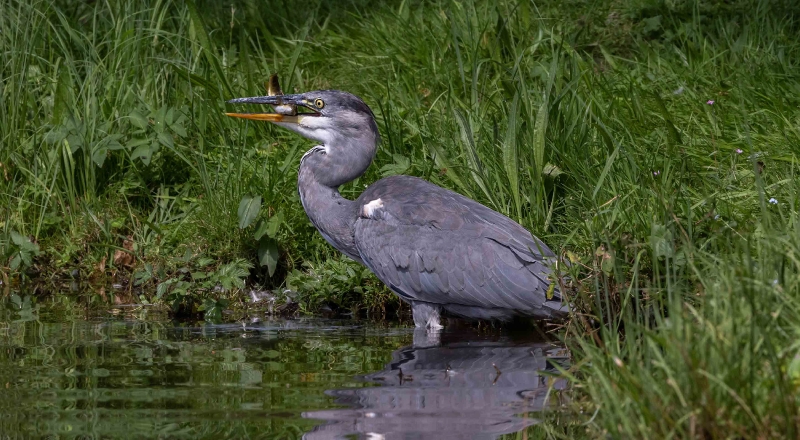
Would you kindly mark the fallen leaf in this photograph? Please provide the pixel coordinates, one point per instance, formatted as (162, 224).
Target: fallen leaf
(123, 258)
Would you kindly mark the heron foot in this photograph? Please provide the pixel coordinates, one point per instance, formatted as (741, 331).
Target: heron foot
(427, 315)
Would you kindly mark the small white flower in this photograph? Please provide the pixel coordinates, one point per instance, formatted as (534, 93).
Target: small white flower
(716, 217)
(739, 151)
(773, 200)
(678, 91)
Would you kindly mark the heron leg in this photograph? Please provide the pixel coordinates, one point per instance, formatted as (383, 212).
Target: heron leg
(426, 338)
(426, 315)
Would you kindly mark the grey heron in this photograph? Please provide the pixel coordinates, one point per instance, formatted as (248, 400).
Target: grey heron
(434, 248)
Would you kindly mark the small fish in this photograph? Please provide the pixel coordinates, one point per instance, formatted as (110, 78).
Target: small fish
(274, 89)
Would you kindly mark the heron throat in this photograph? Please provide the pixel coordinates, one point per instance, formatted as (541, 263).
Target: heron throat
(323, 169)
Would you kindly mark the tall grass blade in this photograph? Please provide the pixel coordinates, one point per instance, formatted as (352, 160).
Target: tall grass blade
(510, 159)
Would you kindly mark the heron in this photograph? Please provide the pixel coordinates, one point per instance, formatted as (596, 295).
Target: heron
(435, 248)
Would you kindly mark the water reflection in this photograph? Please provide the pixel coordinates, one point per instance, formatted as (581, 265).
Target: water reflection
(461, 388)
(126, 375)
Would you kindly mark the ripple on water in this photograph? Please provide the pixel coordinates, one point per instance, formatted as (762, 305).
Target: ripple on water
(129, 378)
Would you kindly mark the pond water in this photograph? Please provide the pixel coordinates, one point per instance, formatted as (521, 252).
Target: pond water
(130, 373)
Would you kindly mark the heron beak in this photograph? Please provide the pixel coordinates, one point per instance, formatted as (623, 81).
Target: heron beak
(269, 117)
(278, 101)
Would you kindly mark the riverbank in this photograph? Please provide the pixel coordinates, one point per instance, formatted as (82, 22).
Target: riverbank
(652, 144)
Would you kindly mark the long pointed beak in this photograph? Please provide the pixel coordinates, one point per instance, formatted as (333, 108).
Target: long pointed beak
(278, 101)
(270, 117)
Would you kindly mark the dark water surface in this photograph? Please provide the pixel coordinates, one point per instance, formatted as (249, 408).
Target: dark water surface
(130, 373)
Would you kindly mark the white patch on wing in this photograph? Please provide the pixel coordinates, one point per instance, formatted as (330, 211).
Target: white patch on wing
(370, 209)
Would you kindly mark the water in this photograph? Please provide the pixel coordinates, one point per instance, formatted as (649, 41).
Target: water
(130, 373)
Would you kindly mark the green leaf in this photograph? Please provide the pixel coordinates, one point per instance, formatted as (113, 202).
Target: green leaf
(18, 239)
(56, 135)
(268, 254)
(144, 152)
(160, 119)
(274, 224)
(269, 227)
(261, 229)
(165, 139)
(99, 156)
(400, 165)
(133, 143)
(61, 101)
(248, 210)
(15, 261)
(177, 126)
(163, 288)
(137, 120)
(661, 241)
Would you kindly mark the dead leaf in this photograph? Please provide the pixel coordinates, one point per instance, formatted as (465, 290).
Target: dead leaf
(101, 266)
(122, 258)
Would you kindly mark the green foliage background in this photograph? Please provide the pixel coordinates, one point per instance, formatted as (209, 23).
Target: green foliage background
(652, 143)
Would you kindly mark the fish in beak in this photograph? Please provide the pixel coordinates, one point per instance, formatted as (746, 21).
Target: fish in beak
(285, 105)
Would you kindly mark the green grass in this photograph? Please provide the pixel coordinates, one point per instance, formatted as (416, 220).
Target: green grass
(586, 122)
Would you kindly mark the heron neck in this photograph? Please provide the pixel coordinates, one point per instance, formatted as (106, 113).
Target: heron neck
(332, 214)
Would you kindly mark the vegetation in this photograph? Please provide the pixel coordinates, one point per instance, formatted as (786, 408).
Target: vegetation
(653, 143)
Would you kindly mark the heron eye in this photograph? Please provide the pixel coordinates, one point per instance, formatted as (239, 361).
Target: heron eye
(319, 103)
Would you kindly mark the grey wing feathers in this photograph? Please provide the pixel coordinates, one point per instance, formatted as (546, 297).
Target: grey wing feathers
(433, 245)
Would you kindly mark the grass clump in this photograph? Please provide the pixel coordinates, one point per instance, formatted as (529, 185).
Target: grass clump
(653, 143)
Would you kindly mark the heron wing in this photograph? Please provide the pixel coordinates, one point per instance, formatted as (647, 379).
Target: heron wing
(434, 245)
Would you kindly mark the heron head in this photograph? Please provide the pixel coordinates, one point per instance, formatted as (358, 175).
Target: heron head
(326, 116)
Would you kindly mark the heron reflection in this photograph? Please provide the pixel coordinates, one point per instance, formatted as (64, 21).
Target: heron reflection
(456, 390)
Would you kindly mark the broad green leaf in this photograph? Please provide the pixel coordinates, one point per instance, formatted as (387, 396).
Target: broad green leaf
(661, 241)
(274, 224)
(61, 101)
(137, 120)
(144, 152)
(133, 143)
(18, 239)
(160, 119)
(56, 135)
(177, 127)
(162, 288)
(165, 139)
(261, 229)
(400, 165)
(99, 156)
(15, 262)
(268, 254)
(248, 210)
(269, 227)
(75, 142)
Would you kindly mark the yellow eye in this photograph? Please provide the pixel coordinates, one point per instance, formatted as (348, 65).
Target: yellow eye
(319, 103)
